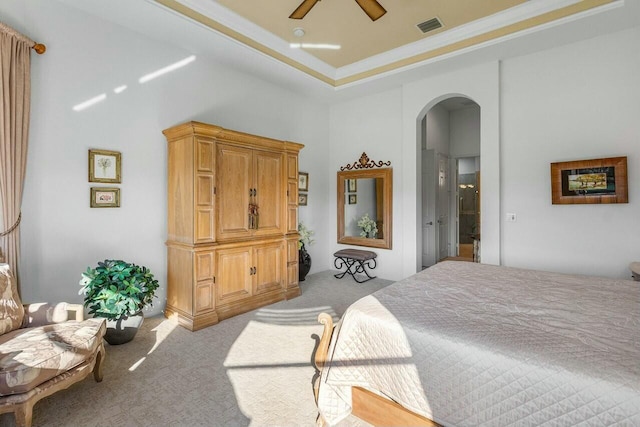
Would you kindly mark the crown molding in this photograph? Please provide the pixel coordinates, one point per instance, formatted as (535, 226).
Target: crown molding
(528, 17)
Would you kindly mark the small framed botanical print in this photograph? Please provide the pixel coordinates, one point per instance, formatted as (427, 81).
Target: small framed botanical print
(353, 185)
(105, 166)
(303, 181)
(302, 199)
(103, 197)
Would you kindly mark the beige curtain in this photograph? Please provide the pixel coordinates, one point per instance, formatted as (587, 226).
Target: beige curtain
(15, 99)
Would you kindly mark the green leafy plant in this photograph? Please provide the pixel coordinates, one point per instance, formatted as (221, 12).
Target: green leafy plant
(305, 236)
(368, 226)
(116, 289)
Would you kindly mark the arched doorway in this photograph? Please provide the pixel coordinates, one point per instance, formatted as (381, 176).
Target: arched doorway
(450, 207)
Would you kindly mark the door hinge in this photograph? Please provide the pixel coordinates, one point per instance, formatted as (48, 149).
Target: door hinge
(214, 190)
(214, 280)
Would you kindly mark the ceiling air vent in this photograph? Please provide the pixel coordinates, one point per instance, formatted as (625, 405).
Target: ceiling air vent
(430, 25)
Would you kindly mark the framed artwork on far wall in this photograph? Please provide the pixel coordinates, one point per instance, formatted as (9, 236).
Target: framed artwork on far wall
(103, 197)
(353, 199)
(303, 181)
(105, 166)
(302, 200)
(589, 181)
(352, 185)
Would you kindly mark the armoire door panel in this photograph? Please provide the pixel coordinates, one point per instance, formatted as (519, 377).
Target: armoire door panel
(204, 225)
(233, 274)
(292, 271)
(292, 167)
(204, 266)
(292, 206)
(292, 193)
(180, 191)
(205, 212)
(204, 190)
(205, 161)
(292, 250)
(292, 219)
(268, 185)
(204, 297)
(234, 184)
(269, 267)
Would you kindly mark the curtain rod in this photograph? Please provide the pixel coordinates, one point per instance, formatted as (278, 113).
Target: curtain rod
(39, 48)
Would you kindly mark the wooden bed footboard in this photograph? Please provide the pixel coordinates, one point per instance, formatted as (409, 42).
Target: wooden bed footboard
(366, 405)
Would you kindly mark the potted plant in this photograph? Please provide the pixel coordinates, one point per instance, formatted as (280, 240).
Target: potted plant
(118, 291)
(304, 259)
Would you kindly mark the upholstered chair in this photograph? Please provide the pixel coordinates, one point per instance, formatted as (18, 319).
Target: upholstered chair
(41, 350)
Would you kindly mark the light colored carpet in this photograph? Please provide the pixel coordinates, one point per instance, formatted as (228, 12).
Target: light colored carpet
(251, 370)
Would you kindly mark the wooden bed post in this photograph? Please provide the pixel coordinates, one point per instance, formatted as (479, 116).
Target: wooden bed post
(321, 357)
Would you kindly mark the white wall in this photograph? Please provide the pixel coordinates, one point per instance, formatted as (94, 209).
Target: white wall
(571, 103)
(465, 132)
(438, 130)
(61, 235)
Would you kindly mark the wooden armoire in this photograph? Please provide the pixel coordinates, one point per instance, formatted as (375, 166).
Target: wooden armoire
(232, 241)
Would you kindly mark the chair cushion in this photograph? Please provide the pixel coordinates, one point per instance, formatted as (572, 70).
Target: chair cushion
(31, 356)
(357, 254)
(11, 310)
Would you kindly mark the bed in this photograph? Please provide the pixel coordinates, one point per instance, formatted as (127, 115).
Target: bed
(467, 344)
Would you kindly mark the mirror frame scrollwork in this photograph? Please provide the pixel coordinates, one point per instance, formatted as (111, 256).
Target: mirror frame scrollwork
(386, 174)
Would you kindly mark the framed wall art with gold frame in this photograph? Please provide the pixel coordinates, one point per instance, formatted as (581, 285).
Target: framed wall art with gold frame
(104, 197)
(589, 181)
(105, 166)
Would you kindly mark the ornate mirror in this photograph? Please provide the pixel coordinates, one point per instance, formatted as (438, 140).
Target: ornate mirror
(365, 204)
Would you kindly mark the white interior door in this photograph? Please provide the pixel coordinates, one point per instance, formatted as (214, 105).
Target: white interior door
(442, 206)
(429, 252)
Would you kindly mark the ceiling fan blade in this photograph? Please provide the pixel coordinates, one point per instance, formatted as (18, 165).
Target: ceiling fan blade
(372, 8)
(303, 9)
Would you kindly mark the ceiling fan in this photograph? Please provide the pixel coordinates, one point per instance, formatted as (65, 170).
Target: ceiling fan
(370, 7)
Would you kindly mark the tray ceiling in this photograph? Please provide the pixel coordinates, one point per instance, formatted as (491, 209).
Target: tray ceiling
(371, 48)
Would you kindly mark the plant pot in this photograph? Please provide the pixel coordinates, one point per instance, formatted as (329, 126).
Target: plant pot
(123, 330)
(304, 264)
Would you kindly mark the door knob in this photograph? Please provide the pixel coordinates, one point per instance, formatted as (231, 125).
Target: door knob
(429, 223)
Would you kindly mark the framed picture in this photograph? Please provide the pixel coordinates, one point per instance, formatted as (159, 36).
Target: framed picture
(302, 200)
(353, 199)
(103, 197)
(104, 166)
(352, 185)
(303, 181)
(589, 181)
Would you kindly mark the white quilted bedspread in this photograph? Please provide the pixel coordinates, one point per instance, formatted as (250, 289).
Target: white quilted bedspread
(469, 344)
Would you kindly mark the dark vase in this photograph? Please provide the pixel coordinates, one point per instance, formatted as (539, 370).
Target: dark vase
(123, 330)
(304, 263)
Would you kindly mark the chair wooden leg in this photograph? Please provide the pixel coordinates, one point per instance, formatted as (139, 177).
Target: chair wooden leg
(97, 368)
(24, 414)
